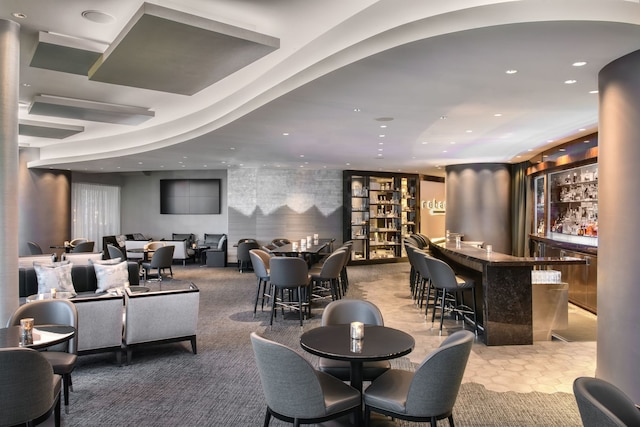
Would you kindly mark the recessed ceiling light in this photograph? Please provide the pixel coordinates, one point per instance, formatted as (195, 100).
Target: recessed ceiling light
(382, 135)
(511, 71)
(562, 149)
(380, 149)
(570, 81)
(19, 15)
(232, 148)
(383, 126)
(26, 84)
(579, 64)
(468, 131)
(497, 115)
(356, 110)
(285, 133)
(586, 141)
(593, 91)
(425, 142)
(380, 143)
(530, 149)
(348, 164)
(582, 129)
(443, 117)
(98, 17)
(444, 151)
(139, 163)
(453, 142)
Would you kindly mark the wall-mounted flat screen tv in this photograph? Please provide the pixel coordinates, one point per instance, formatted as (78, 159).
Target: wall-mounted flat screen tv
(189, 196)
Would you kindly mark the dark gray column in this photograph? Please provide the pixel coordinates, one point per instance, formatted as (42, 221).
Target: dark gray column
(619, 209)
(479, 203)
(9, 79)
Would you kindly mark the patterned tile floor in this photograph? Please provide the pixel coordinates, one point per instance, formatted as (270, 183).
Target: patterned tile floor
(545, 366)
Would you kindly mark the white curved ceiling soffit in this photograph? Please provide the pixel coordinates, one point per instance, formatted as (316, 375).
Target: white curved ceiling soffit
(323, 49)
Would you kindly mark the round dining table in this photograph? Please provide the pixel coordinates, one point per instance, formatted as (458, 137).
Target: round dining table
(43, 336)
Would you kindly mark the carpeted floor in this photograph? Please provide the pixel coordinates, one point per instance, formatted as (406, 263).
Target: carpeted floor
(169, 386)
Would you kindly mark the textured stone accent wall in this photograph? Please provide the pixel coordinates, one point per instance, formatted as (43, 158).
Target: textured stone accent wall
(269, 203)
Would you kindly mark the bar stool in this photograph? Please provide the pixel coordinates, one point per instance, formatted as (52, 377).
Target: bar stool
(448, 285)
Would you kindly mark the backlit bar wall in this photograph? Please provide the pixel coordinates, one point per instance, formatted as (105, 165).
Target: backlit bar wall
(9, 79)
(479, 203)
(618, 350)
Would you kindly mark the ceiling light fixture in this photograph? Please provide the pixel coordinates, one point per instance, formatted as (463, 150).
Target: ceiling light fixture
(593, 91)
(19, 15)
(579, 64)
(497, 115)
(356, 110)
(570, 81)
(511, 71)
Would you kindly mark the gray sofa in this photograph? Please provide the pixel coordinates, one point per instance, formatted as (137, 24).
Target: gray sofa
(99, 315)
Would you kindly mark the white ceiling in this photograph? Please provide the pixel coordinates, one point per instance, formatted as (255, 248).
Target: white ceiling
(433, 72)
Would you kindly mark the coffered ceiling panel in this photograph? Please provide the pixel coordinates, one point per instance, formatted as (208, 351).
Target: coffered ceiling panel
(57, 106)
(65, 54)
(171, 51)
(47, 130)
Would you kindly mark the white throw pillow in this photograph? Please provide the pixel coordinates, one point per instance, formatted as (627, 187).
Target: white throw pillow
(54, 275)
(110, 275)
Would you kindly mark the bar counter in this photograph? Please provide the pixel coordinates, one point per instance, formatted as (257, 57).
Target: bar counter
(503, 288)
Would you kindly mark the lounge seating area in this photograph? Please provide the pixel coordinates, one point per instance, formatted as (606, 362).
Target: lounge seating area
(116, 314)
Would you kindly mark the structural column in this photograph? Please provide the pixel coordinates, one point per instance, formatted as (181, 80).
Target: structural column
(479, 203)
(618, 350)
(9, 80)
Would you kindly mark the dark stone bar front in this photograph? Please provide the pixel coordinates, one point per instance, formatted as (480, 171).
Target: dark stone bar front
(503, 288)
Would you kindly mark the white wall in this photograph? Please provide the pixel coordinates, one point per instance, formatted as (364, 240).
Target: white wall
(140, 206)
(430, 224)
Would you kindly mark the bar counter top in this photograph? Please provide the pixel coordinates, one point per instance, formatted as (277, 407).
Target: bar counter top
(478, 257)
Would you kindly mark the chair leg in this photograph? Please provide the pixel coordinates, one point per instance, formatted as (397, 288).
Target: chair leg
(273, 307)
(194, 347)
(300, 305)
(267, 418)
(255, 305)
(56, 412)
(65, 384)
(450, 418)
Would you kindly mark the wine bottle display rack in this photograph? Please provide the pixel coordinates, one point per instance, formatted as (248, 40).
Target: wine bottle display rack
(381, 209)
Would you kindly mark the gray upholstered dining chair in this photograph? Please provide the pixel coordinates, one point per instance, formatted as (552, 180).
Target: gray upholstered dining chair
(326, 278)
(289, 274)
(62, 357)
(295, 392)
(115, 252)
(34, 248)
(29, 389)
(261, 261)
(601, 404)
(447, 283)
(244, 259)
(430, 393)
(83, 247)
(161, 259)
(345, 311)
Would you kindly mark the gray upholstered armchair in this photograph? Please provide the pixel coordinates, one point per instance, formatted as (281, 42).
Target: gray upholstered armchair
(430, 393)
(295, 391)
(216, 255)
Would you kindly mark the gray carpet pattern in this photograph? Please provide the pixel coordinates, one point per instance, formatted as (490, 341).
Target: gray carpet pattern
(167, 385)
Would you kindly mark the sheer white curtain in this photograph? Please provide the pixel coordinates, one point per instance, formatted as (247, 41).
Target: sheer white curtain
(95, 210)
